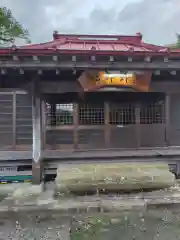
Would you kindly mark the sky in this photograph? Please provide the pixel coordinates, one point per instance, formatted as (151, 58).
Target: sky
(157, 20)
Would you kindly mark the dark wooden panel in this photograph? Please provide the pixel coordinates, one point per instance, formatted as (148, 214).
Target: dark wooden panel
(55, 137)
(123, 136)
(166, 86)
(6, 138)
(49, 87)
(175, 120)
(91, 138)
(23, 119)
(24, 134)
(6, 119)
(175, 137)
(6, 97)
(152, 135)
(23, 139)
(24, 111)
(23, 99)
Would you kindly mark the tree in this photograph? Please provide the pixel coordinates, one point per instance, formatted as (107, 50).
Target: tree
(178, 41)
(10, 28)
(177, 44)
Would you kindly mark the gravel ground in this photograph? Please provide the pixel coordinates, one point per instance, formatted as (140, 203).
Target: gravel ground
(159, 224)
(33, 227)
(152, 225)
(145, 223)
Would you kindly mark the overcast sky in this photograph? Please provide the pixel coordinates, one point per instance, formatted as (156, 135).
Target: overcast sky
(157, 20)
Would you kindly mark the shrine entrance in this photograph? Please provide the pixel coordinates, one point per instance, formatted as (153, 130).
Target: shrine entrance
(107, 120)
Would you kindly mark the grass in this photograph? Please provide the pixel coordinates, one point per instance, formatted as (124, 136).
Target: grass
(161, 224)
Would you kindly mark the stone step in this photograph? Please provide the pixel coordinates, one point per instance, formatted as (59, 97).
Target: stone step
(27, 197)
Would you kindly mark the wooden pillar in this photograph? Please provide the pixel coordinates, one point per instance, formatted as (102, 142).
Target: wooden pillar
(167, 118)
(53, 114)
(14, 121)
(138, 125)
(37, 134)
(43, 121)
(75, 123)
(107, 131)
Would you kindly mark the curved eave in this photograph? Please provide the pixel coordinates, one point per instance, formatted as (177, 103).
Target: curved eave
(114, 88)
(103, 88)
(39, 52)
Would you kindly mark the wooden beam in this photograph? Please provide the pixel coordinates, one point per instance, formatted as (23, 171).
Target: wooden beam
(15, 58)
(93, 58)
(55, 58)
(37, 134)
(53, 114)
(130, 59)
(75, 123)
(43, 121)
(111, 59)
(107, 130)
(21, 71)
(3, 71)
(35, 58)
(147, 59)
(141, 65)
(138, 125)
(173, 72)
(167, 117)
(74, 58)
(14, 120)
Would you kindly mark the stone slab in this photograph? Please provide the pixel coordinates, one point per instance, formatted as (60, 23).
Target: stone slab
(33, 198)
(26, 194)
(8, 189)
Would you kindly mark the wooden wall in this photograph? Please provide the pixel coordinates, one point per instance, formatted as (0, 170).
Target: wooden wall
(16, 122)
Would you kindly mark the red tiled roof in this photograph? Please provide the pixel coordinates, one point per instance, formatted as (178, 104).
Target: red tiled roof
(88, 44)
(96, 42)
